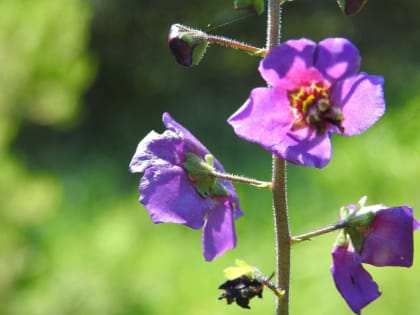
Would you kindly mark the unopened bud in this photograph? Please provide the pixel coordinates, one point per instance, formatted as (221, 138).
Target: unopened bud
(351, 7)
(254, 6)
(187, 45)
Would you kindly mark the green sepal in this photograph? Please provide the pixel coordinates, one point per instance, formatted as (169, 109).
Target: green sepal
(361, 219)
(344, 212)
(187, 45)
(195, 166)
(357, 238)
(198, 44)
(351, 7)
(361, 215)
(218, 189)
(341, 239)
(209, 160)
(200, 173)
(254, 6)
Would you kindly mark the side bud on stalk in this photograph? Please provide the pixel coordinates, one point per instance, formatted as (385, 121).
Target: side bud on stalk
(253, 6)
(187, 45)
(351, 7)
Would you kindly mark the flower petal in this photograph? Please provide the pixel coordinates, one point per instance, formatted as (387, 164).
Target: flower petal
(155, 149)
(191, 143)
(306, 148)
(362, 101)
(352, 281)
(337, 58)
(218, 232)
(264, 117)
(169, 197)
(390, 238)
(292, 56)
(410, 212)
(232, 198)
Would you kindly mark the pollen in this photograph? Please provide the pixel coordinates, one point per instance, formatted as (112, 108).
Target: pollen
(312, 107)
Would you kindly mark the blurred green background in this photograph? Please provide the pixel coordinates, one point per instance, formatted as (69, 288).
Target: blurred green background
(81, 82)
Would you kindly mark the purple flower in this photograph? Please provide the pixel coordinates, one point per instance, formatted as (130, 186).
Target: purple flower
(374, 235)
(314, 90)
(176, 188)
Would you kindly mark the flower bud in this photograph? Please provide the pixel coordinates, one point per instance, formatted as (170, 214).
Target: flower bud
(187, 45)
(351, 7)
(254, 6)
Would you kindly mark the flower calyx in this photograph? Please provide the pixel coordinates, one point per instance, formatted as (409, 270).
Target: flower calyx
(356, 220)
(200, 173)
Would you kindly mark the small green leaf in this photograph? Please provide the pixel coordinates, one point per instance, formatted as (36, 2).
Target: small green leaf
(351, 7)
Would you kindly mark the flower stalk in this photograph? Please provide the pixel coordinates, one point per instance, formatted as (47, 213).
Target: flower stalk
(308, 236)
(228, 42)
(242, 179)
(279, 185)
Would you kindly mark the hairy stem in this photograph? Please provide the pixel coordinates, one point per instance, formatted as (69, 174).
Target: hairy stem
(321, 231)
(242, 179)
(282, 233)
(279, 185)
(223, 41)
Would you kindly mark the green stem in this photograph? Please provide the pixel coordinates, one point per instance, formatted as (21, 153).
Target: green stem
(227, 42)
(279, 184)
(224, 41)
(278, 292)
(242, 179)
(308, 236)
(282, 233)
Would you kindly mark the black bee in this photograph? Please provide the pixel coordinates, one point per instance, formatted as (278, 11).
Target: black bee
(241, 290)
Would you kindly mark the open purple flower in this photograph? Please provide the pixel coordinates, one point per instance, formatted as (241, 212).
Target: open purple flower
(375, 235)
(314, 90)
(176, 186)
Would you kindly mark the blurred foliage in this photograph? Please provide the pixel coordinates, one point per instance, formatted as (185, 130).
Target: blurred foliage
(45, 68)
(75, 240)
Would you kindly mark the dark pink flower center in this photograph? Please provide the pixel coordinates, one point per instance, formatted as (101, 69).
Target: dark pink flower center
(312, 107)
